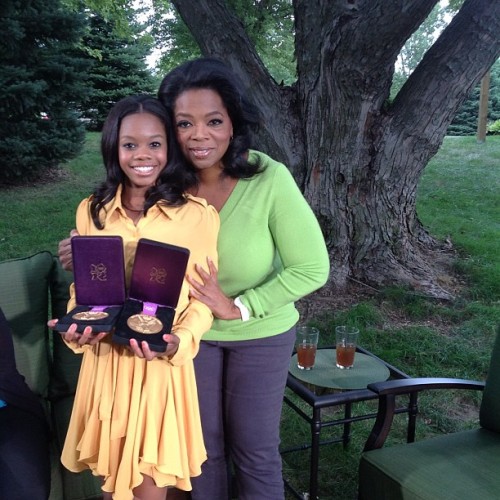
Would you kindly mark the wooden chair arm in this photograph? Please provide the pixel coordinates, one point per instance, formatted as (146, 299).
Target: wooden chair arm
(387, 392)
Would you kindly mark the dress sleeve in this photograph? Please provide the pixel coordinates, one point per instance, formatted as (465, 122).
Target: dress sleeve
(299, 244)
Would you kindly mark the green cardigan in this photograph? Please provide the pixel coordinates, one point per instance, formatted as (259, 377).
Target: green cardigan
(271, 252)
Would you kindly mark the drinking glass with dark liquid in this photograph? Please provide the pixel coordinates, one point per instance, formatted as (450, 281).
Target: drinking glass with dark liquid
(306, 345)
(346, 339)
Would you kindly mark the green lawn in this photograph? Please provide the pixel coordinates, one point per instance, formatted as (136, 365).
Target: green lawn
(459, 199)
(37, 217)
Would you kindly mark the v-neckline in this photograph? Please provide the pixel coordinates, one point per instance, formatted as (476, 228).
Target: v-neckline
(232, 200)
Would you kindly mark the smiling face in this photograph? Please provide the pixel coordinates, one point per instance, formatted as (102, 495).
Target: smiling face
(142, 149)
(203, 127)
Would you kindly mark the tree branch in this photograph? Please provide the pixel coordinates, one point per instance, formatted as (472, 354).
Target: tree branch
(457, 61)
(346, 51)
(332, 32)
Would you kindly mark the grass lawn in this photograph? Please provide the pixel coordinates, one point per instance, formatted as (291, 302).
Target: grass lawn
(457, 200)
(37, 217)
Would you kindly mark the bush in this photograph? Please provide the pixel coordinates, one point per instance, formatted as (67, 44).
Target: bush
(494, 128)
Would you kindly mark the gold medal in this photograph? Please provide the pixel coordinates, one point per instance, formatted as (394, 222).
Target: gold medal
(145, 323)
(90, 315)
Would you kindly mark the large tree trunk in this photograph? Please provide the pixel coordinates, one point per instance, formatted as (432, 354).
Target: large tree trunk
(357, 157)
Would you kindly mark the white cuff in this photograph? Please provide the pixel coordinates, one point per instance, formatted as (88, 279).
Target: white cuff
(245, 313)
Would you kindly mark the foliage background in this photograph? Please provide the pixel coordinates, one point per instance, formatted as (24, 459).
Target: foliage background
(62, 68)
(42, 76)
(64, 63)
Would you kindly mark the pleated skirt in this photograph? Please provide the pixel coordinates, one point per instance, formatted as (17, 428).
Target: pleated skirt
(132, 417)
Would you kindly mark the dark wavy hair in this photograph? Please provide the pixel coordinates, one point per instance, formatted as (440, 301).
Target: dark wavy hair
(213, 74)
(170, 185)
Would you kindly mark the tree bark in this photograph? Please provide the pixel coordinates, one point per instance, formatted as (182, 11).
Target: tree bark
(482, 118)
(357, 157)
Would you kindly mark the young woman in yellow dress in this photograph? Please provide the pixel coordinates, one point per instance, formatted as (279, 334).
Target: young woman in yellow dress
(135, 420)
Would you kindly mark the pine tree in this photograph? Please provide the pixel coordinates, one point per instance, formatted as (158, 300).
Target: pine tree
(42, 79)
(466, 118)
(118, 67)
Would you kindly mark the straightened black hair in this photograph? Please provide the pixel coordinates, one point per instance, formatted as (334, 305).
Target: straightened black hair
(171, 183)
(213, 74)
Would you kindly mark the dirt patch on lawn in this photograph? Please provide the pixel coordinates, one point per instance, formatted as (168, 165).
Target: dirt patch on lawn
(331, 299)
(49, 176)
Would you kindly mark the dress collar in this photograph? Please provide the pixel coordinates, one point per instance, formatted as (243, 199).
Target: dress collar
(172, 212)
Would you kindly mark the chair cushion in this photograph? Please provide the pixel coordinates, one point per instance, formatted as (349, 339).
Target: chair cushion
(66, 366)
(490, 404)
(456, 466)
(24, 298)
(24, 290)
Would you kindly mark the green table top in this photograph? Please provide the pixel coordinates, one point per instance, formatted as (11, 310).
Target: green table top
(366, 370)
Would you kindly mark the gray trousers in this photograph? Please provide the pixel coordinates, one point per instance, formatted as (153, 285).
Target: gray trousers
(240, 388)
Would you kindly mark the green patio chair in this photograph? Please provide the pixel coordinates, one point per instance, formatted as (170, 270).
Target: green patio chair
(460, 465)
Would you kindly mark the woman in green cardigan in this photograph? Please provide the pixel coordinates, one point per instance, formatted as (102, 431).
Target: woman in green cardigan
(271, 253)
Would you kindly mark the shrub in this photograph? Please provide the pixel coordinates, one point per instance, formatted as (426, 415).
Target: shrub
(494, 128)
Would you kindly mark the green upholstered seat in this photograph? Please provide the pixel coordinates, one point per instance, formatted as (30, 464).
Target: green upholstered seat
(32, 290)
(454, 466)
(462, 465)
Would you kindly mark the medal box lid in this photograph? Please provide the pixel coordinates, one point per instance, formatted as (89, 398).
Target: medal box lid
(99, 270)
(158, 272)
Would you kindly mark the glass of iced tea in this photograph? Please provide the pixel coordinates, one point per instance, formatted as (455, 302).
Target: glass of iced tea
(346, 339)
(306, 345)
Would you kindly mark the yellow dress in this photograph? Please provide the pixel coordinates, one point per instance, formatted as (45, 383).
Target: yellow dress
(130, 416)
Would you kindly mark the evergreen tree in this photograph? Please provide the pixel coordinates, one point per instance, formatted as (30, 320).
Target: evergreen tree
(118, 66)
(42, 78)
(466, 118)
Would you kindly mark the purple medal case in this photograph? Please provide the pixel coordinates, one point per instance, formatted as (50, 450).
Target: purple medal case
(99, 278)
(155, 286)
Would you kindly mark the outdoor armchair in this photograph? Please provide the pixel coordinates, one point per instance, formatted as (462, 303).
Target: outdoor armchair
(460, 465)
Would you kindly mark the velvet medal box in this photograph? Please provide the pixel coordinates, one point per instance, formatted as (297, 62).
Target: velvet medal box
(99, 278)
(155, 286)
